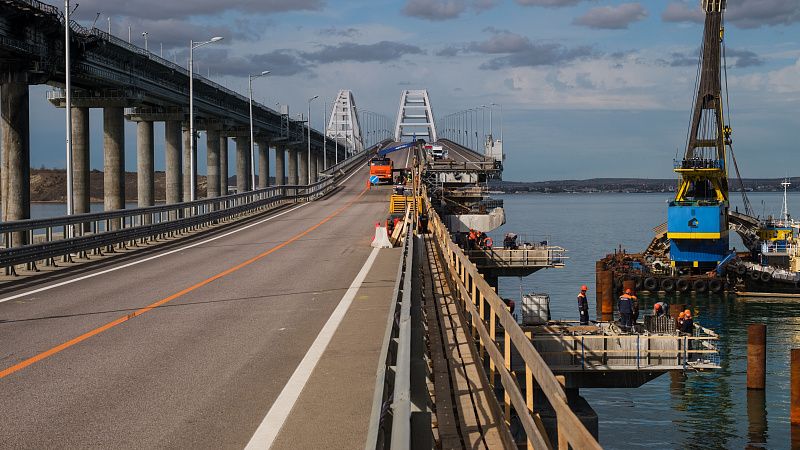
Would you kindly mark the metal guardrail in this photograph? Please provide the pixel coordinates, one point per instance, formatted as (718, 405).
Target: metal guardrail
(487, 310)
(67, 235)
(390, 420)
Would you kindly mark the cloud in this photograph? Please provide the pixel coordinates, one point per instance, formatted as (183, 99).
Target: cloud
(612, 17)
(340, 32)
(383, 51)
(481, 5)
(757, 13)
(744, 58)
(501, 41)
(450, 51)
(176, 33)
(682, 12)
(437, 10)
(280, 62)
(434, 9)
(548, 3)
(743, 14)
(158, 9)
(541, 54)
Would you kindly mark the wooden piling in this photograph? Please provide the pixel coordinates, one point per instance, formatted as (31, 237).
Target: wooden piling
(795, 382)
(607, 301)
(599, 267)
(757, 356)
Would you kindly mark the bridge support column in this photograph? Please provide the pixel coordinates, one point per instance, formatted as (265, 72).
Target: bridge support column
(223, 165)
(302, 157)
(263, 164)
(292, 170)
(280, 169)
(113, 159)
(80, 160)
(320, 163)
(145, 149)
(213, 163)
(15, 174)
(242, 164)
(172, 153)
(187, 165)
(313, 168)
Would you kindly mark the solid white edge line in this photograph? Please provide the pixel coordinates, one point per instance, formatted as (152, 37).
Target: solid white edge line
(269, 428)
(161, 255)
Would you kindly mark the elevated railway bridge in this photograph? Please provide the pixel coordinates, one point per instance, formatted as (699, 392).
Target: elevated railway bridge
(266, 318)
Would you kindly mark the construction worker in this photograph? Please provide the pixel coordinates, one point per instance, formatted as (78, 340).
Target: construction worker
(472, 239)
(583, 306)
(661, 309)
(681, 319)
(688, 322)
(625, 308)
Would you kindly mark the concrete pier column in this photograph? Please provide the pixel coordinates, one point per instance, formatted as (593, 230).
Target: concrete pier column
(263, 164)
(320, 163)
(212, 173)
(15, 173)
(312, 170)
(280, 166)
(187, 152)
(223, 165)
(302, 158)
(113, 158)
(242, 164)
(80, 160)
(292, 168)
(145, 168)
(173, 155)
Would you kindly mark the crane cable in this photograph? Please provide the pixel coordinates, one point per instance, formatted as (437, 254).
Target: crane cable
(748, 208)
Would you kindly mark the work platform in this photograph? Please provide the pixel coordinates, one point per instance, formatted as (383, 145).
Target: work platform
(601, 355)
(498, 261)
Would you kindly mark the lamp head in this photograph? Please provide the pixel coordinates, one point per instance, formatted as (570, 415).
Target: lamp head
(216, 39)
(266, 72)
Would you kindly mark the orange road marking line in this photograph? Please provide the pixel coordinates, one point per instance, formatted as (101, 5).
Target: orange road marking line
(61, 347)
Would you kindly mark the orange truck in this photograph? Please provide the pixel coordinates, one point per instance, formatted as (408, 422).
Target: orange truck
(382, 168)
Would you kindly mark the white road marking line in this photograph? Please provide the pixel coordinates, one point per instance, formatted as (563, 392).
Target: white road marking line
(269, 428)
(161, 255)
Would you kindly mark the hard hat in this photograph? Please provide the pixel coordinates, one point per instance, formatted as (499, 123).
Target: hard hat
(681, 316)
(628, 291)
(687, 313)
(584, 288)
(657, 306)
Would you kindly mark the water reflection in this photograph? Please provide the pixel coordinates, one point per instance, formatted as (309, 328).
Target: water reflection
(696, 410)
(756, 418)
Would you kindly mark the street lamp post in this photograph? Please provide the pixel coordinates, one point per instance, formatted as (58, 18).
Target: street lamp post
(252, 134)
(144, 35)
(68, 87)
(309, 137)
(192, 158)
(324, 135)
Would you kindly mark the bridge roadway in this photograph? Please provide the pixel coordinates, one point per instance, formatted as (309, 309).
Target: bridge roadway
(203, 345)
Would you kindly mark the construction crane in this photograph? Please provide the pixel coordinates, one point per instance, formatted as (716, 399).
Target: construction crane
(697, 219)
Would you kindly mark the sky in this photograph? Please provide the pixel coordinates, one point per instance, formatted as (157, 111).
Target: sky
(588, 88)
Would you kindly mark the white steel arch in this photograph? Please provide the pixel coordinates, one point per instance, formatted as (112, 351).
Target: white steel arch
(344, 125)
(415, 116)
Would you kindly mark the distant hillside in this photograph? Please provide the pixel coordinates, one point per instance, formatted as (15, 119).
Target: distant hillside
(632, 185)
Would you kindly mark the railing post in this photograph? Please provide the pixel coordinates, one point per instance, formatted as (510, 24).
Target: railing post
(492, 335)
(529, 389)
(507, 361)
